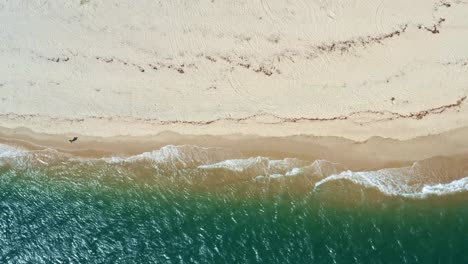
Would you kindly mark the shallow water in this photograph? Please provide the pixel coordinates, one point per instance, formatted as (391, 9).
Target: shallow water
(185, 204)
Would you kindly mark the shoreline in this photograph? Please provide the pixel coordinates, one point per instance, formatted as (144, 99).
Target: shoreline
(373, 153)
(363, 92)
(233, 131)
(201, 68)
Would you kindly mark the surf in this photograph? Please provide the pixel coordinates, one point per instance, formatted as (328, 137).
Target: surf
(437, 176)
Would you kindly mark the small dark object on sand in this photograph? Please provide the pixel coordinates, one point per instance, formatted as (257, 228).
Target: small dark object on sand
(73, 139)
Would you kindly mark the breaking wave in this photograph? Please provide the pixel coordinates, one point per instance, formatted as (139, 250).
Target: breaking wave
(178, 156)
(10, 152)
(431, 177)
(436, 176)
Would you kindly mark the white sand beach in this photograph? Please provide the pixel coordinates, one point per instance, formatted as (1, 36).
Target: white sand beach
(353, 69)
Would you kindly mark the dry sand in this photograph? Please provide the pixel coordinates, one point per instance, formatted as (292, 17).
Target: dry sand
(352, 69)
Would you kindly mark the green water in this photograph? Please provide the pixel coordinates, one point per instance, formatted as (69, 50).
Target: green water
(72, 211)
(78, 220)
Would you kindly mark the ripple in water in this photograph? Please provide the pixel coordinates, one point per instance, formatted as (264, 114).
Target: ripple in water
(186, 204)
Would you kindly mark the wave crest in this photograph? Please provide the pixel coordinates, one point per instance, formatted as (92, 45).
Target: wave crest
(436, 176)
(178, 156)
(11, 152)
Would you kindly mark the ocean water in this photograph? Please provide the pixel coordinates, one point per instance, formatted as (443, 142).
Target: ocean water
(187, 204)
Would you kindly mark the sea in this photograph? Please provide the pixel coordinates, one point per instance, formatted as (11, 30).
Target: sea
(191, 204)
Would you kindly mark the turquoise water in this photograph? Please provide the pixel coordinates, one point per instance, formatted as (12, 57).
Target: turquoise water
(160, 209)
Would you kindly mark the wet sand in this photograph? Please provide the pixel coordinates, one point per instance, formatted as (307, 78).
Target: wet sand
(267, 68)
(374, 153)
(245, 131)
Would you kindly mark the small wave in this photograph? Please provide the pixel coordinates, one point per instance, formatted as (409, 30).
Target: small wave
(238, 165)
(11, 152)
(187, 156)
(456, 186)
(294, 172)
(171, 157)
(436, 176)
(424, 178)
(259, 165)
(318, 169)
(22, 158)
(180, 156)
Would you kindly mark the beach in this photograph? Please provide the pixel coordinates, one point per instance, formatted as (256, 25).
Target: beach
(215, 131)
(265, 68)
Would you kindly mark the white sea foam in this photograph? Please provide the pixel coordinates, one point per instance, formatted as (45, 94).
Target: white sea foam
(276, 175)
(294, 172)
(237, 165)
(269, 168)
(456, 186)
(318, 169)
(11, 152)
(184, 156)
(422, 179)
(291, 173)
(324, 168)
(388, 181)
(436, 176)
